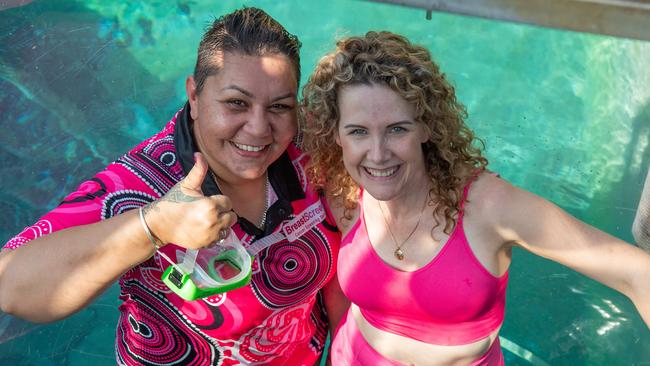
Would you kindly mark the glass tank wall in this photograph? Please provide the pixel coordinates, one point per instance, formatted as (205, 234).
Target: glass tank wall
(563, 114)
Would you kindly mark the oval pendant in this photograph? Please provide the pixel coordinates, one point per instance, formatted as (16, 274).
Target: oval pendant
(399, 254)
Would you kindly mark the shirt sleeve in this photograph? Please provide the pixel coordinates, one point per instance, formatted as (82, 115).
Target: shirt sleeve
(86, 205)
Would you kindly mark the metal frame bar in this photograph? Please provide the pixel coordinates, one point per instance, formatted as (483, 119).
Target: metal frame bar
(620, 18)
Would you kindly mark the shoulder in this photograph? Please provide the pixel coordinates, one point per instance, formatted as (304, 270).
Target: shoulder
(337, 208)
(496, 200)
(496, 203)
(154, 162)
(298, 157)
(488, 190)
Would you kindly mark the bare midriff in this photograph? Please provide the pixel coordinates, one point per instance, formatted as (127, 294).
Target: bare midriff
(413, 352)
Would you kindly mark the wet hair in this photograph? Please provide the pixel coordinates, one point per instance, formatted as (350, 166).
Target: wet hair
(249, 31)
(389, 59)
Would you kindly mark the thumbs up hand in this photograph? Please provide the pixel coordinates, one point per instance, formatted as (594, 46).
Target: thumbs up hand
(185, 217)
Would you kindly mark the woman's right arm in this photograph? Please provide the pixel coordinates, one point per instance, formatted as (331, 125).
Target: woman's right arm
(55, 275)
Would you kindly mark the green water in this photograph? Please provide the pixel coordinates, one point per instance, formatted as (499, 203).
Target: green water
(565, 115)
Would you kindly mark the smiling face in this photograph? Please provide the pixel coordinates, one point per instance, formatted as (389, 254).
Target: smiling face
(381, 141)
(245, 115)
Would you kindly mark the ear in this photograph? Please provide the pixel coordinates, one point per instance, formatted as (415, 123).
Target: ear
(337, 138)
(425, 133)
(192, 96)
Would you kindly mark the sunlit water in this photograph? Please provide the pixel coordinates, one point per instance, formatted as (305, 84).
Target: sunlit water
(564, 115)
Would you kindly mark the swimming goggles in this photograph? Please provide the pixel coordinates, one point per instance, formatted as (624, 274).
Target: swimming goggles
(224, 266)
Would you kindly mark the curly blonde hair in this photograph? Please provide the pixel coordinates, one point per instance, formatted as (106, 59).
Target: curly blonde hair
(390, 59)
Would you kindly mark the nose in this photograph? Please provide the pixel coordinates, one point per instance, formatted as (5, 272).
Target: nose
(258, 123)
(378, 151)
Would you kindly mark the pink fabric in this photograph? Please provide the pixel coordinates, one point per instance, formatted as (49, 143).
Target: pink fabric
(278, 319)
(452, 300)
(350, 348)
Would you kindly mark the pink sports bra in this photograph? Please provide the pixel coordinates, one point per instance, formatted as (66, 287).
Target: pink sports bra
(452, 300)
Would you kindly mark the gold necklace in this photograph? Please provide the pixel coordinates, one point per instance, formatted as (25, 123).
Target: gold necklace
(399, 253)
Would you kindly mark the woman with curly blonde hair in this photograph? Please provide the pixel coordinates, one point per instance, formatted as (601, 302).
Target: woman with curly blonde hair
(427, 230)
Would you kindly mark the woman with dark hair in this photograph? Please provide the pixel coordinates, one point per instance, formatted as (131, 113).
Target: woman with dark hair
(226, 161)
(427, 230)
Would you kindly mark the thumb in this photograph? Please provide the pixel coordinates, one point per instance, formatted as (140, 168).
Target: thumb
(195, 177)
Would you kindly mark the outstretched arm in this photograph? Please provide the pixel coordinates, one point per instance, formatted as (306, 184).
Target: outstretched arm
(56, 275)
(526, 220)
(641, 225)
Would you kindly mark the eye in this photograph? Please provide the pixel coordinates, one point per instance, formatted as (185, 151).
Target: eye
(357, 132)
(397, 129)
(236, 103)
(280, 107)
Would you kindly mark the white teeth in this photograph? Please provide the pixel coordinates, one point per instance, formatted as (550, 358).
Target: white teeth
(382, 172)
(249, 147)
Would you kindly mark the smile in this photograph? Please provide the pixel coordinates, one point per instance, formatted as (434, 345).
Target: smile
(381, 172)
(251, 148)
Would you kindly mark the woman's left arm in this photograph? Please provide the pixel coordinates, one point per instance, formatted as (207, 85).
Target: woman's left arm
(537, 225)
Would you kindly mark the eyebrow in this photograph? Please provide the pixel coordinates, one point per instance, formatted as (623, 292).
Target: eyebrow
(251, 95)
(353, 125)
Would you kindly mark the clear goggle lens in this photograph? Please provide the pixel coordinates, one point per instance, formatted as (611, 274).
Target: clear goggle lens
(200, 273)
(221, 265)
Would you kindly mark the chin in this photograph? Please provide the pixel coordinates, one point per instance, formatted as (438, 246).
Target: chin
(380, 194)
(251, 174)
